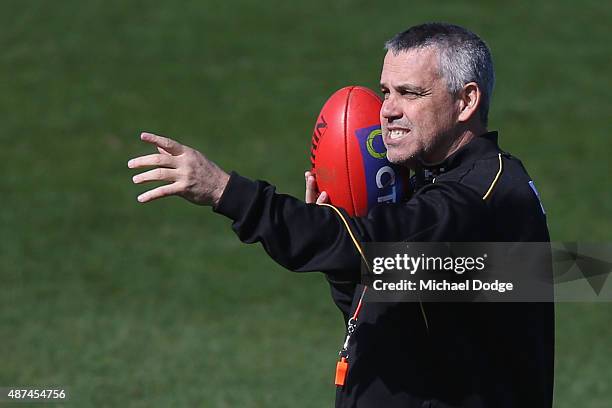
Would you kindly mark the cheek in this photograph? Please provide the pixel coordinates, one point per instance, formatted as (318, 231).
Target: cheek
(446, 106)
(438, 115)
(421, 116)
(421, 112)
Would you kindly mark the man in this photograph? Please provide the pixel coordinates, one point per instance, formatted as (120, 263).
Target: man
(437, 81)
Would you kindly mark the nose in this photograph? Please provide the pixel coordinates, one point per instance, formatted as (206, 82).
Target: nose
(390, 109)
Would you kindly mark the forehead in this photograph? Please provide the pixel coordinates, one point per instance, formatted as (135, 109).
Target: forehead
(418, 66)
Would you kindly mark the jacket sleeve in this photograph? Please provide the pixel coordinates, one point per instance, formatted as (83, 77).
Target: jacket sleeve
(310, 237)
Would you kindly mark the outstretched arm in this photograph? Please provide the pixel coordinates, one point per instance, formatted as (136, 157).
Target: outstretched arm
(300, 237)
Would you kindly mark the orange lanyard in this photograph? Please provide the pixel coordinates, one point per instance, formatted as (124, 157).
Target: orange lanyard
(342, 365)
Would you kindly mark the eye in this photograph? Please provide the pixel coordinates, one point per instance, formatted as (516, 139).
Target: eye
(385, 93)
(409, 94)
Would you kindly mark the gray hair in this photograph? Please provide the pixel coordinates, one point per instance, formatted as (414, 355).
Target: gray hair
(463, 57)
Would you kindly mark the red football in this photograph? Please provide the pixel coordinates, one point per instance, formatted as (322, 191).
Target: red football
(348, 156)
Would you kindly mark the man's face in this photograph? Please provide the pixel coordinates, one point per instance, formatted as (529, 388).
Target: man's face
(418, 115)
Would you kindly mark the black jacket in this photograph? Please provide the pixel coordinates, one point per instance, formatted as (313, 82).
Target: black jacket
(434, 354)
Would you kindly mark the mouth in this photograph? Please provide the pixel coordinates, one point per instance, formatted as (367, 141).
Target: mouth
(397, 133)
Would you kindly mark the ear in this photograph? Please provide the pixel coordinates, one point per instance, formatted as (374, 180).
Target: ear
(469, 101)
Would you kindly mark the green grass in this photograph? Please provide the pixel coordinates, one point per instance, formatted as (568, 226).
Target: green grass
(160, 305)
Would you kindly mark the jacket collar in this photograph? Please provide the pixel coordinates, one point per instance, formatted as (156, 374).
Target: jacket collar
(479, 147)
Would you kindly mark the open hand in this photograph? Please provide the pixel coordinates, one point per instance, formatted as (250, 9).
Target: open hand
(189, 173)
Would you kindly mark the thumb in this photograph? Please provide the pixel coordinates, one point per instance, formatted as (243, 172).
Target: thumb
(323, 198)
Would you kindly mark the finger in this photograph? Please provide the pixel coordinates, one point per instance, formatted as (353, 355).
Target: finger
(159, 192)
(323, 198)
(158, 174)
(171, 146)
(162, 151)
(311, 190)
(162, 160)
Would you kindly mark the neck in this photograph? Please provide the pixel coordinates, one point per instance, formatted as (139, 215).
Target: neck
(455, 142)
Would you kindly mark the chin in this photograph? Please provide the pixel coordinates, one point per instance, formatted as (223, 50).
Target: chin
(405, 159)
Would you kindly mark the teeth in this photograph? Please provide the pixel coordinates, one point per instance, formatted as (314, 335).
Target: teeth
(397, 133)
